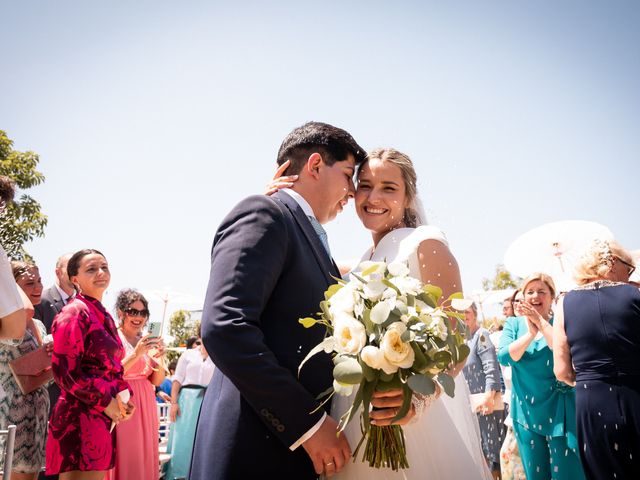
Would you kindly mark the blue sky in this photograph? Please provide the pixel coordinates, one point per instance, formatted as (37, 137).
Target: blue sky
(153, 118)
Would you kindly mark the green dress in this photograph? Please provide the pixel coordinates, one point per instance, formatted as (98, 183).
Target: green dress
(539, 403)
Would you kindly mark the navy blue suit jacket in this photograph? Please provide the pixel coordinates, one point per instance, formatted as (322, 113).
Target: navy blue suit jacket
(268, 269)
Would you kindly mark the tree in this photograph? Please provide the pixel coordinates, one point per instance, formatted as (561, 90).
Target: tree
(501, 281)
(22, 220)
(180, 328)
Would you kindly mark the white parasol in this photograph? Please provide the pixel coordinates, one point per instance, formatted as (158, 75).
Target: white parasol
(167, 295)
(554, 249)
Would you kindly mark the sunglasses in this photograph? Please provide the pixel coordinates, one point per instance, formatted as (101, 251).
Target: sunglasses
(632, 268)
(134, 312)
(198, 342)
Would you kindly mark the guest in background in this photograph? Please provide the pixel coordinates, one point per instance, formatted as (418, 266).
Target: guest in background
(193, 374)
(507, 307)
(193, 342)
(542, 409)
(482, 373)
(596, 346)
(137, 439)
(87, 364)
(56, 296)
(510, 461)
(163, 391)
(28, 412)
(15, 307)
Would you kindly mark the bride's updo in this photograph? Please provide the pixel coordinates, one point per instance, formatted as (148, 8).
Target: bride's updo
(413, 215)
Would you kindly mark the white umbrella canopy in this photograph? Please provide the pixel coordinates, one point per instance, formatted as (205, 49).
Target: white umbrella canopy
(167, 296)
(554, 249)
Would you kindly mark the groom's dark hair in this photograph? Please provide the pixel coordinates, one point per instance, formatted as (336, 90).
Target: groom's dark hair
(333, 143)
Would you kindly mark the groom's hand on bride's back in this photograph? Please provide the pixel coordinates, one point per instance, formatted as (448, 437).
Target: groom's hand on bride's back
(328, 451)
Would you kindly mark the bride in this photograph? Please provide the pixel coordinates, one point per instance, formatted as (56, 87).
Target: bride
(443, 441)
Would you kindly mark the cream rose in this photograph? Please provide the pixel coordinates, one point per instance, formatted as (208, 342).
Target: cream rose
(349, 334)
(396, 351)
(374, 358)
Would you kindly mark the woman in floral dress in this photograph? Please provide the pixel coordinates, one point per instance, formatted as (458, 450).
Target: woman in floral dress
(29, 413)
(87, 364)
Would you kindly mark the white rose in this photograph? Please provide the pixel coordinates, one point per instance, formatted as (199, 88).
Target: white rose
(407, 285)
(349, 334)
(396, 351)
(398, 269)
(374, 358)
(373, 290)
(380, 312)
(343, 300)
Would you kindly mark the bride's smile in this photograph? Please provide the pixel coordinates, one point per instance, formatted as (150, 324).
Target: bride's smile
(381, 197)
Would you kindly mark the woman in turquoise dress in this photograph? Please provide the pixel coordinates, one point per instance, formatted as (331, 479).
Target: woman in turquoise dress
(543, 409)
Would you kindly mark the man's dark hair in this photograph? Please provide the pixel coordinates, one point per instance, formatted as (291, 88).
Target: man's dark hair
(7, 189)
(333, 143)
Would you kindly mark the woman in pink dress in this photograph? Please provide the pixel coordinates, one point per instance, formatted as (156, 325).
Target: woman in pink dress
(137, 453)
(87, 365)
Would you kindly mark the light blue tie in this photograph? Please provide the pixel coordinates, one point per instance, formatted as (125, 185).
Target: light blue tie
(321, 233)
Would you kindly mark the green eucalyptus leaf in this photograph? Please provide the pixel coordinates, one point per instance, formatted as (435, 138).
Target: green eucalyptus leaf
(348, 372)
(307, 322)
(433, 290)
(463, 352)
(406, 403)
(443, 358)
(386, 377)
(420, 362)
(391, 285)
(369, 373)
(448, 383)
(428, 299)
(421, 384)
(331, 291)
(394, 383)
(406, 336)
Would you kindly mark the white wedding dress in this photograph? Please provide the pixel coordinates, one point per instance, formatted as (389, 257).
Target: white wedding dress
(443, 443)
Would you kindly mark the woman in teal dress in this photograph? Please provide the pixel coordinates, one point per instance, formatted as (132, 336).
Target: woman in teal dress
(543, 409)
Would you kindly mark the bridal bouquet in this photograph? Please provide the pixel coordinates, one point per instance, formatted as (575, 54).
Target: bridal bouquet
(386, 330)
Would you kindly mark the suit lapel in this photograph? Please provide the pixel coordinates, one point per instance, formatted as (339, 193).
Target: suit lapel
(326, 264)
(58, 303)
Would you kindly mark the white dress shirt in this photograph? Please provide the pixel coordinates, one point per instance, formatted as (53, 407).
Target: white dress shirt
(308, 211)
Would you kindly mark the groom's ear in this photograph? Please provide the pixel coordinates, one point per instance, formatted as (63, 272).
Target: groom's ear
(313, 164)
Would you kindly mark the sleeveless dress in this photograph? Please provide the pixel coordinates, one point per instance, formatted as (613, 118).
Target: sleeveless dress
(137, 438)
(443, 443)
(602, 323)
(30, 412)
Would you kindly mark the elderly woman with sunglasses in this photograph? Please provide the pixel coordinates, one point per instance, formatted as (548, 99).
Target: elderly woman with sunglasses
(596, 339)
(193, 374)
(137, 439)
(542, 408)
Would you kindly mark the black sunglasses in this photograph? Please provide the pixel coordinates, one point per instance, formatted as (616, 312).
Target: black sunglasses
(134, 312)
(632, 268)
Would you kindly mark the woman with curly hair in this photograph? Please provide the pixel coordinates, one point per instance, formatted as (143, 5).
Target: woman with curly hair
(137, 451)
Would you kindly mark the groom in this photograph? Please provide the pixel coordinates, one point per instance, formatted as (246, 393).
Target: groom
(270, 266)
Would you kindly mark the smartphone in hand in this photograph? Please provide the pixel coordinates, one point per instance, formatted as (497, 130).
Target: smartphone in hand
(154, 329)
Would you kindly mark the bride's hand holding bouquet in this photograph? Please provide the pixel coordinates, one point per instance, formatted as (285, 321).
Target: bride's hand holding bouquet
(392, 339)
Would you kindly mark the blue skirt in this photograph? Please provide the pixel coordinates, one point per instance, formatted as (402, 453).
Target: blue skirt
(183, 432)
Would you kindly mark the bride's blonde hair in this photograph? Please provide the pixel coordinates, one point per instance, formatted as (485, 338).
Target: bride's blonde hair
(412, 215)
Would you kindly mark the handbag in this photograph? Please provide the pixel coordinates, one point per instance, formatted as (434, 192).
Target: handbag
(477, 399)
(32, 370)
